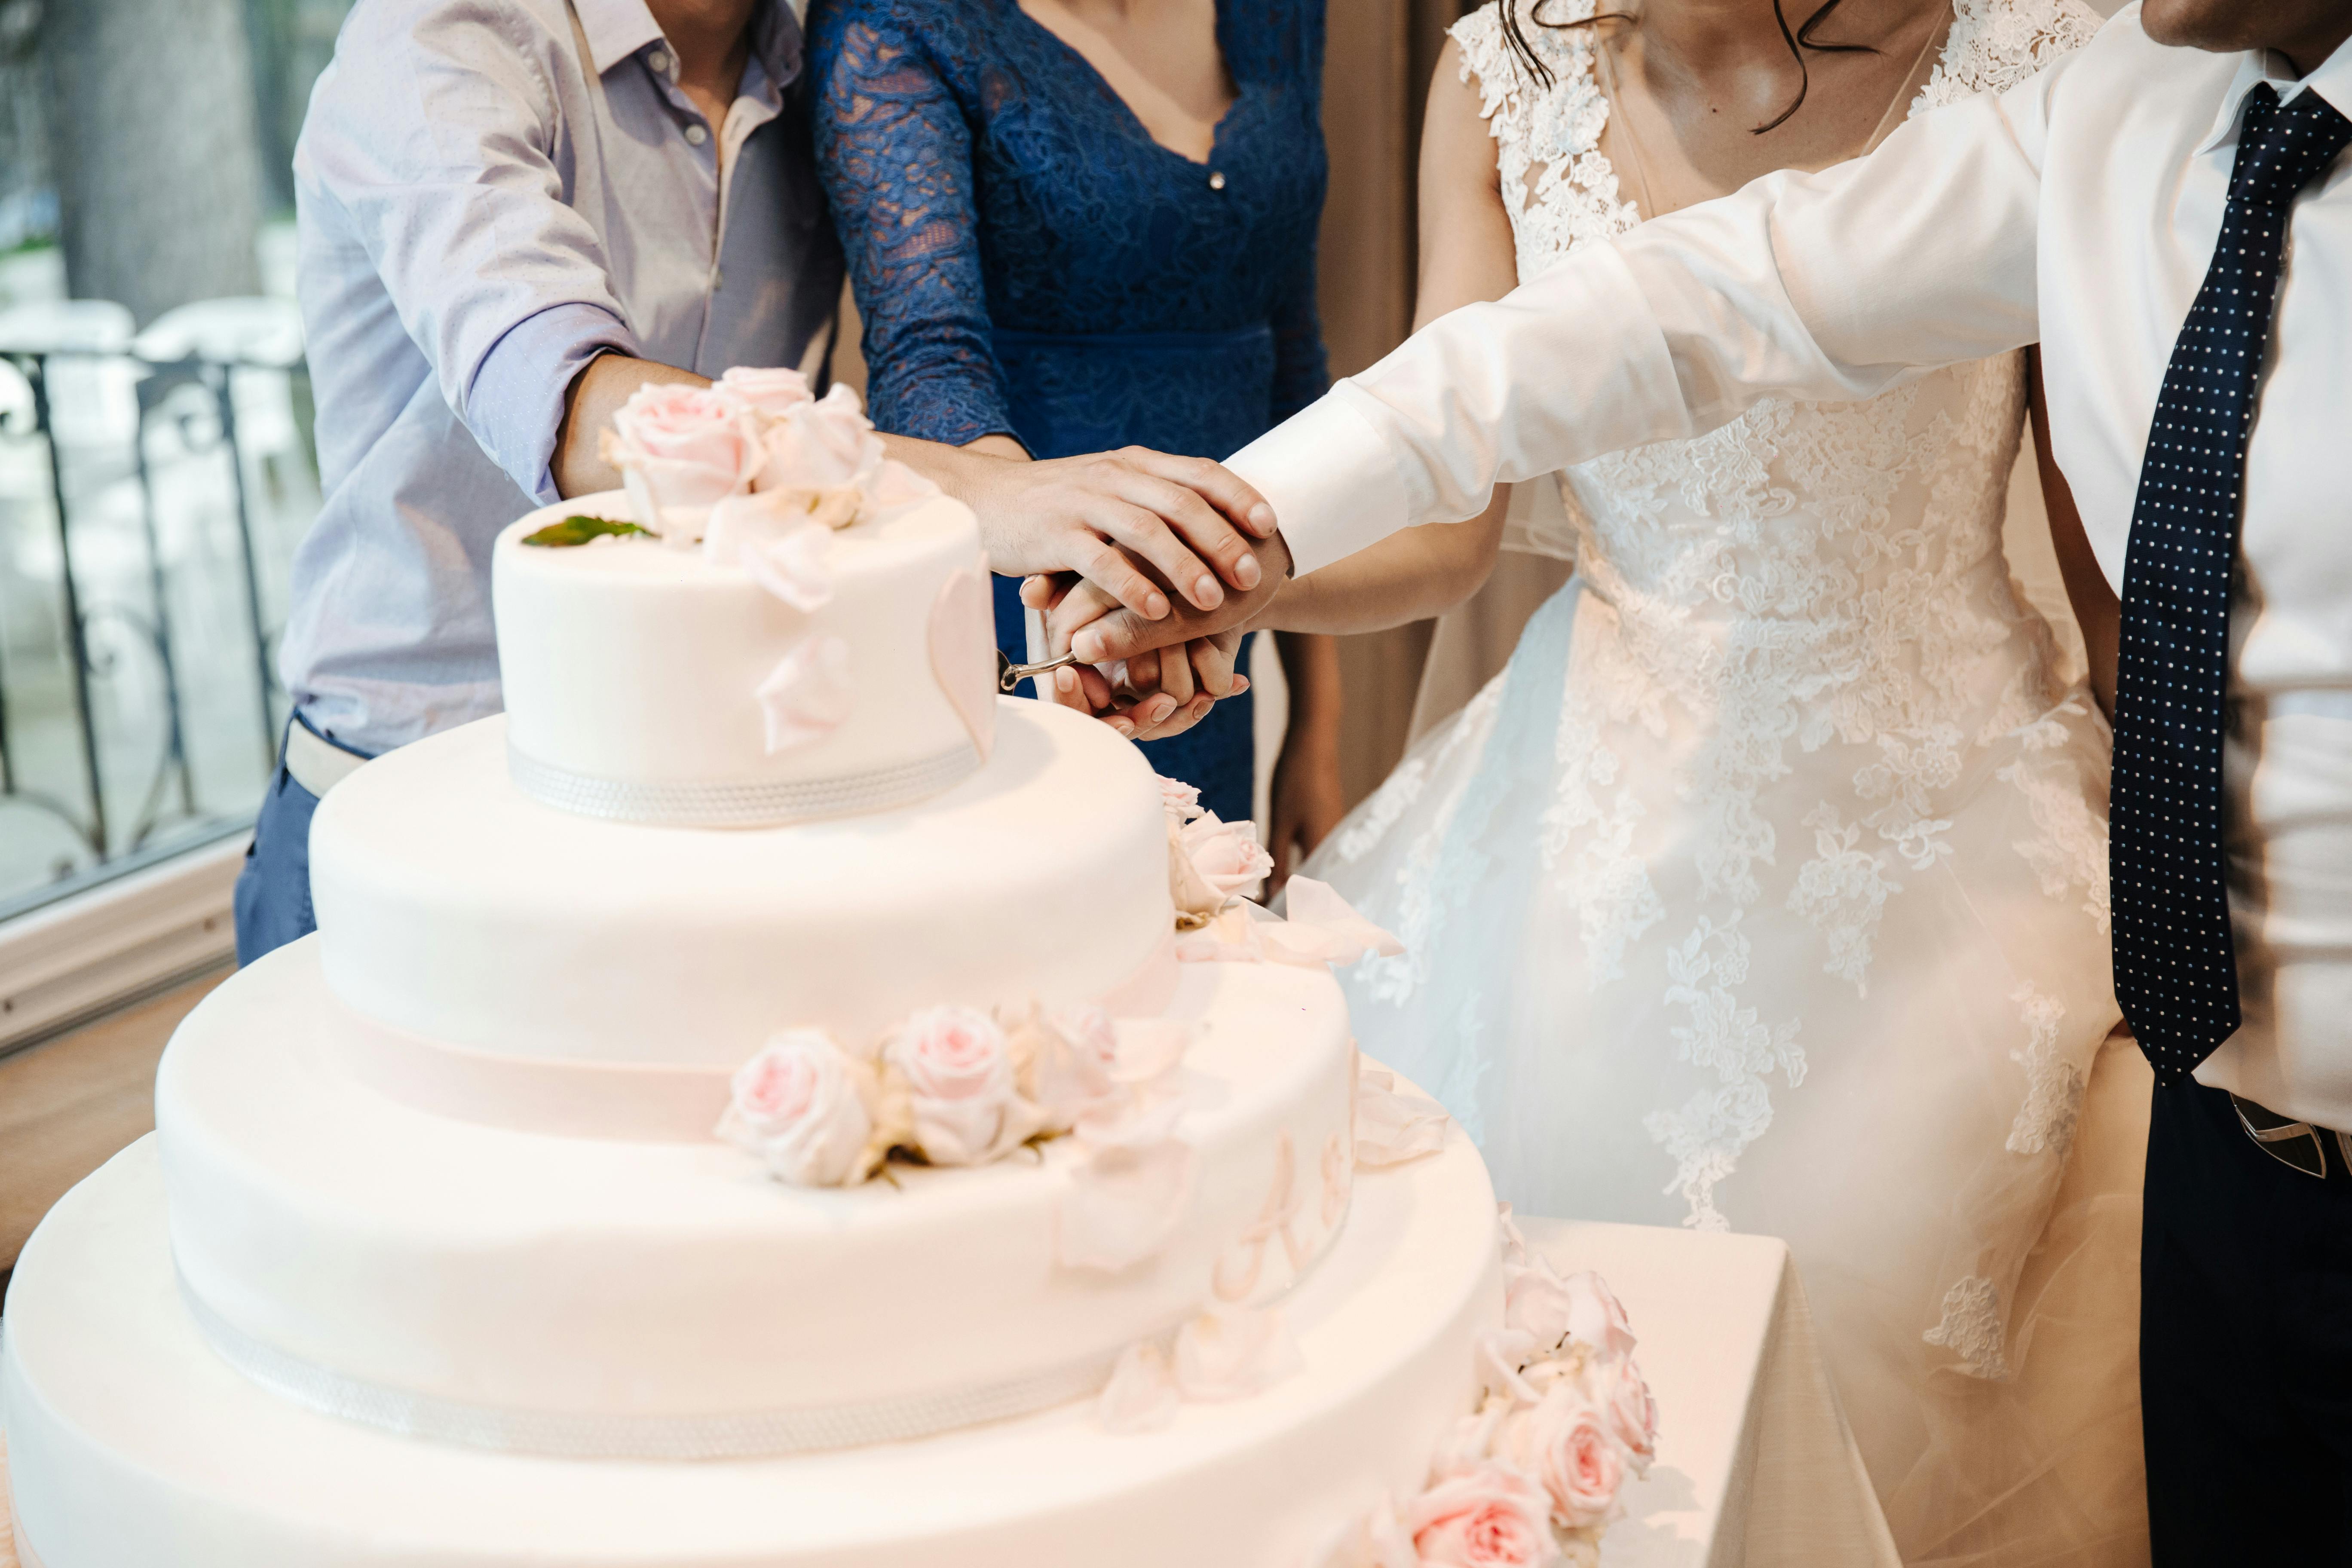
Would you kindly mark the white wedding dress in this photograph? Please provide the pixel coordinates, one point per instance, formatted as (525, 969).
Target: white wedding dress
(1766, 889)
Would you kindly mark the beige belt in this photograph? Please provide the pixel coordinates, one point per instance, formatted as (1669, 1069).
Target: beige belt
(318, 766)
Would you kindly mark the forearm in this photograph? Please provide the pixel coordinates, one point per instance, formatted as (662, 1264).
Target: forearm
(1310, 673)
(962, 471)
(2096, 610)
(597, 393)
(1831, 286)
(1406, 577)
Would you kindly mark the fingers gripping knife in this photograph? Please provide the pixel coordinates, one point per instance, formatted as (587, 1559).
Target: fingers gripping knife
(1009, 675)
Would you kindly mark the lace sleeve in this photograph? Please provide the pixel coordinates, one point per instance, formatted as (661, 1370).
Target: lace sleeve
(895, 157)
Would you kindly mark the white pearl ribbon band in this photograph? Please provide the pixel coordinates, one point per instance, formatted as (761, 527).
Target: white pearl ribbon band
(752, 804)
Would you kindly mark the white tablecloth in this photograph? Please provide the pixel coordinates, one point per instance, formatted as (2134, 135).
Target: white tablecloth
(1755, 1468)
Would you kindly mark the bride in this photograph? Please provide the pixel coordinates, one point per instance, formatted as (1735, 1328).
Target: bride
(1766, 889)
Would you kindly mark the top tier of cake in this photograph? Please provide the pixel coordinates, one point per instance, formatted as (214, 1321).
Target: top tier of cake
(652, 680)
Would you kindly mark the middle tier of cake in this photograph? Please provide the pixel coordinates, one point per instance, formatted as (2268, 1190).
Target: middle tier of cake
(453, 905)
(580, 1295)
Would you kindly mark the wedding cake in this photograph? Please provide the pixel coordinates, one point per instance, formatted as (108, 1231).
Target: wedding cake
(767, 1100)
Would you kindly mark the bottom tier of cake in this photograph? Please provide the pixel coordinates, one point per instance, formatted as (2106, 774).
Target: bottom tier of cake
(131, 1442)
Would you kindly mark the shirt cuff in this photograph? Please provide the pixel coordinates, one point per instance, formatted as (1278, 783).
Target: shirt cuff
(515, 406)
(1332, 481)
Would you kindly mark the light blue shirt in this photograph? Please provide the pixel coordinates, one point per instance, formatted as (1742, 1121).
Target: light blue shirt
(489, 194)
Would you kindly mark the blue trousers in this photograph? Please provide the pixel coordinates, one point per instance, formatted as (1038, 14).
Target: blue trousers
(2245, 1354)
(272, 902)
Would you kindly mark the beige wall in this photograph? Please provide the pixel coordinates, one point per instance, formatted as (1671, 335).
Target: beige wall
(1377, 64)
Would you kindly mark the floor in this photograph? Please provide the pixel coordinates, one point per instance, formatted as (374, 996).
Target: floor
(69, 1104)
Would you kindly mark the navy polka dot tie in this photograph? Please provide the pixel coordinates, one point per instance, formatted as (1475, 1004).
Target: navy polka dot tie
(2176, 972)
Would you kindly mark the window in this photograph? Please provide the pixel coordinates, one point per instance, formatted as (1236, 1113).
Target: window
(156, 464)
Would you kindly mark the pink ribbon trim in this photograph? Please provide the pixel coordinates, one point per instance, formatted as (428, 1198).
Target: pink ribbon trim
(630, 1102)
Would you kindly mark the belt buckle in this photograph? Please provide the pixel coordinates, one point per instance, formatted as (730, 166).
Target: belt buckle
(2282, 1138)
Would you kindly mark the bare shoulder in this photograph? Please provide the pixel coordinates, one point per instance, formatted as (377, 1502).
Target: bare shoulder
(1467, 251)
(1458, 143)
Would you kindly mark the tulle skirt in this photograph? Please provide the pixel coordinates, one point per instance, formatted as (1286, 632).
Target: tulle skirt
(1884, 1058)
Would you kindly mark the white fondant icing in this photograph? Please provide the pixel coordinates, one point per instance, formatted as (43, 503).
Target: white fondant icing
(482, 1267)
(963, 654)
(641, 665)
(130, 1442)
(452, 905)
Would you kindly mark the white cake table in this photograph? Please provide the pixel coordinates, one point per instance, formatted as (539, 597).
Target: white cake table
(1755, 1468)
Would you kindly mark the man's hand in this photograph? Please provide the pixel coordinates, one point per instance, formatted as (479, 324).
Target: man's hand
(1135, 522)
(1101, 630)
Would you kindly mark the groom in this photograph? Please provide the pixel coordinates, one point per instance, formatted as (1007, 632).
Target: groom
(2169, 213)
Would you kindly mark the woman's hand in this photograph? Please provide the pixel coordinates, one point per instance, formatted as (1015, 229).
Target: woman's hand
(1150, 697)
(1308, 802)
(1135, 521)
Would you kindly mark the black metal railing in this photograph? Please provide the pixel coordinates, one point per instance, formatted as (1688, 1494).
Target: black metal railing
(100, 628)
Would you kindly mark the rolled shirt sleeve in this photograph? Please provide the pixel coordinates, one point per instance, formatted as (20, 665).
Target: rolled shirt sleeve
(1830, 286)
(442, 148)
(516, 405)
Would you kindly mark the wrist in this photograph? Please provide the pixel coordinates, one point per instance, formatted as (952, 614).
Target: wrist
(1275, 556)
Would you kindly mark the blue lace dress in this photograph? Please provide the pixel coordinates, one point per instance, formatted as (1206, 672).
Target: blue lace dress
(1030, 263)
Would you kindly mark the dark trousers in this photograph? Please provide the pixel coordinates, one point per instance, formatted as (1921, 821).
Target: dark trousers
(2245, 1345)
(272, 902)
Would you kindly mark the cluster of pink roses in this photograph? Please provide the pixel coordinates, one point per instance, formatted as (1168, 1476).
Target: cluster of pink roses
(1530, 1479)
(1210, 862)
(950, 1086)
(758, 447)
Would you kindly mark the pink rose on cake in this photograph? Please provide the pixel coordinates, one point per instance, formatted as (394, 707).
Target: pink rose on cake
(1210, 862)
(1064, 1060)
(769, 393)
(823, 459)
(1631, 1411)
(681, 449)
(1489, 1517)
(1556, 1310)
(1182, 801)
(1564, 1444)
(1227, 855)
(805, 1107)
(963, 1093)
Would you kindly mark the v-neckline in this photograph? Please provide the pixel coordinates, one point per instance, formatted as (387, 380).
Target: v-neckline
(1603, 68)
(1224, 63)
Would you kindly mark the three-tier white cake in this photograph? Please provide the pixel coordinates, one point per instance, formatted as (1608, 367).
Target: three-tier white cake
(437, 1257)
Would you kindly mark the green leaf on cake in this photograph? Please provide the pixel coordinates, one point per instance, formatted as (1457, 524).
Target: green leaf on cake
(580, 530)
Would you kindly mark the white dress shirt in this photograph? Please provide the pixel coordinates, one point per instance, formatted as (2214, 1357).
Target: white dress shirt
(2080, 210)
(489, 194)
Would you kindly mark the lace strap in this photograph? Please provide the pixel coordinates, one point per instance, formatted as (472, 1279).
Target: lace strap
(1509, 90)
(1996, 44)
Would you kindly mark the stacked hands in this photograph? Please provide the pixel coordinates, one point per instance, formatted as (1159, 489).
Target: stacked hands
(1149, 665)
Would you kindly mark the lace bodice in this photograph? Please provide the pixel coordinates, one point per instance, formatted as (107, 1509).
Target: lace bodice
(992, 190)
(1810, 571)
(1804, 618)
